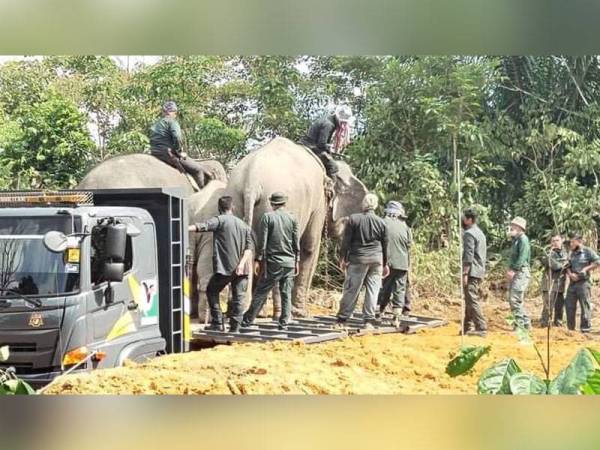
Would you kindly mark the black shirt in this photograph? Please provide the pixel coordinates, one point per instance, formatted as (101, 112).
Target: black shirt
(320, 133)
(365, 239)
(232, 237)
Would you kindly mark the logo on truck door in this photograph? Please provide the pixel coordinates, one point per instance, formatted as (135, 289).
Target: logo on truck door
(145, 294)
(36, 320)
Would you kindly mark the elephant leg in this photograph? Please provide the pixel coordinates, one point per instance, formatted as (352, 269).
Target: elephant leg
(203, 311)
(309, 256)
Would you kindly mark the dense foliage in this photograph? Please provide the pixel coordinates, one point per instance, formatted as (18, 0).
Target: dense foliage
(524, 128)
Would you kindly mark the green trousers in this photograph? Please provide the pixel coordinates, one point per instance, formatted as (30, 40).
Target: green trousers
(516, 297)
(554, 304)
(473, 313)
(579, 292)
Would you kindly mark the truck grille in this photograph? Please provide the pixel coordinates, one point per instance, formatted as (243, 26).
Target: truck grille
(21, 347)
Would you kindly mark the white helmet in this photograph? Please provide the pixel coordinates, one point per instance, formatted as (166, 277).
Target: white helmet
(343, 113)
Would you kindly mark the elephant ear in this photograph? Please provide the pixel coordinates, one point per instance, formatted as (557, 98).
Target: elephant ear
(348, 199)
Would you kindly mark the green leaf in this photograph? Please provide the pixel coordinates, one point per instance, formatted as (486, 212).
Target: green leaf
(570, 380)
(595, 354)
(527, 384)
(592, 385)
(4, 353)
(24, 388)
(496, 379)
(466, 359)
(16, 387)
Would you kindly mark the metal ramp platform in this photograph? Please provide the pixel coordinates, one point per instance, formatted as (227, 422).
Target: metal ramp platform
(268, 331)
(383, 325)
(314, 330)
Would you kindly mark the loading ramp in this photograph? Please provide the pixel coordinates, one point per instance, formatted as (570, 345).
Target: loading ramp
(320, 328)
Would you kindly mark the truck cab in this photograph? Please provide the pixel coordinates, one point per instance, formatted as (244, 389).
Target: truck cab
(91, 279)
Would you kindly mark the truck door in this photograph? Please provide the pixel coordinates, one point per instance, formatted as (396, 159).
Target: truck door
(109, 315)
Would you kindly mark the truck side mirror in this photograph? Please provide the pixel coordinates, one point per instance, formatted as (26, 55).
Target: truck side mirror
(113, 271)
(56, 241)
(116, 240)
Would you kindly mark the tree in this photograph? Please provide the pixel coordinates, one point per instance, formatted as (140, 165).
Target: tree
(53, 145)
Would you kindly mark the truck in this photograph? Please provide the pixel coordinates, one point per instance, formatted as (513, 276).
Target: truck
(90, 279)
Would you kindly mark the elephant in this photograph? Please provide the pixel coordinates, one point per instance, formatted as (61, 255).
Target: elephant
(143, 170)
(202, 206)
(282, 165)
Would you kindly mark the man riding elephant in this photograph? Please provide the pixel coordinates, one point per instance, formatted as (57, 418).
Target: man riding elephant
(320, 135)
(166, 144)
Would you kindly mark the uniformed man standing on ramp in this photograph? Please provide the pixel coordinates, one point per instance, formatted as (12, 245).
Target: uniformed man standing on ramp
(232, 255)
(278, 256)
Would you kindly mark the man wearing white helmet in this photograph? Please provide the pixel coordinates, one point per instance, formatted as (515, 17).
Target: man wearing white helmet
(320, 136)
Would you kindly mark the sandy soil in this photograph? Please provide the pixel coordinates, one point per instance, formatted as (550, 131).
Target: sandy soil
(386, 364)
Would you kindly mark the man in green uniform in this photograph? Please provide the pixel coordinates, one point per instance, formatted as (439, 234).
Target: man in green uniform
(278, 255)
(399, 242)
(231, 258)
(474, 260)
(581, 262)
(553, 282)
(518, 274)
(166, 144)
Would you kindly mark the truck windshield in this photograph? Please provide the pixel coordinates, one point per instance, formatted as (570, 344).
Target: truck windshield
(26, 266)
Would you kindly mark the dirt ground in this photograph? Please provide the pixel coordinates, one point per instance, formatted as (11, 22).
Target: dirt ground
(385, 364)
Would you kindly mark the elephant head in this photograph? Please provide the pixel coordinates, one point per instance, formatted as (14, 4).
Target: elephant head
(347, 199)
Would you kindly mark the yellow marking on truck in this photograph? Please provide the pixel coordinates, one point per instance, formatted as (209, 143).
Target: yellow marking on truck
(187, 324)
(73, 255)
(121, 327)
(135, 288)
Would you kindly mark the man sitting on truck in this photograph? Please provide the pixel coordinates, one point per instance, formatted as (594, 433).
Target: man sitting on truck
(233, 245)
(166, 144)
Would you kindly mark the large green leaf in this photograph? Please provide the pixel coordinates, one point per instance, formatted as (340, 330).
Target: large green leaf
(527, 384)
(570, 380)
(595, 354)
(16, 387)
(496, 379)
(592, 385)
(466, 359)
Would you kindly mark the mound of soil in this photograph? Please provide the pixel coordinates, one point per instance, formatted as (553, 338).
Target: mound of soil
(385, 364)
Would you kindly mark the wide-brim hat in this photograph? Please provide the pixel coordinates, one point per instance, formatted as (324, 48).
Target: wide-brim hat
(278, 198)
(520, 222)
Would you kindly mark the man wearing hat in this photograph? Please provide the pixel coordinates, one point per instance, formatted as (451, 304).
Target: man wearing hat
(320, 136)
(518, 273)
(473, 260)
(278, 252)
(398, 248)
(166, 144)
(581, 262)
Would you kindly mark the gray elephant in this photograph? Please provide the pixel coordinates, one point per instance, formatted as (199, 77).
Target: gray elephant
(143, 170)
(283, 165)
(202, 206)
